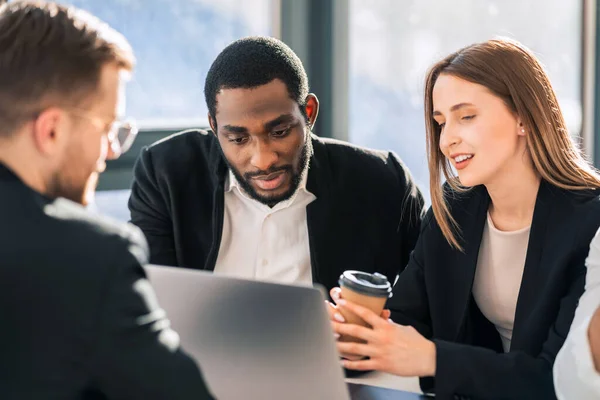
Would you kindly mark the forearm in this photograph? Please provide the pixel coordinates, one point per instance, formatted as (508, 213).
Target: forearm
(575, 376)
(593, 333)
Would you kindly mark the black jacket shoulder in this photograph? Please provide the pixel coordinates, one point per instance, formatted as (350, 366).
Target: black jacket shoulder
(92, 236)
(353, 164)
(181, 148)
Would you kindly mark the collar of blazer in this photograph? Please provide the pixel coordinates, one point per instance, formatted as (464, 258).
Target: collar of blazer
(6, 174)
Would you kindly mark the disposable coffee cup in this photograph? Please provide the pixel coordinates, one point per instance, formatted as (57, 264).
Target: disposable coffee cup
(368, 290)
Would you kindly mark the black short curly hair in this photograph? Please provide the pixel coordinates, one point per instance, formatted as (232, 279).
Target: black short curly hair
(255, 61)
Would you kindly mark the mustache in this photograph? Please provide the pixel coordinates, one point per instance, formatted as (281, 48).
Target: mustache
(284, 168)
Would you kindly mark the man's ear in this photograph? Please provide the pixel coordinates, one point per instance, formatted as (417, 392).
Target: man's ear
(49, 130)
(213, 124)
(312, 108)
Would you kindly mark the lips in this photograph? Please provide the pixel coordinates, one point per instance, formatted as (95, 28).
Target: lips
(271, 181)
(461, 161)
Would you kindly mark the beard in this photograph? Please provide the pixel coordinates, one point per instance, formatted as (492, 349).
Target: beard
(72, 182)
(297, 174)
(59, 186)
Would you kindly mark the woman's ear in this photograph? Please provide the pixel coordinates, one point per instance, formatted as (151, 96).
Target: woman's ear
(521, 131)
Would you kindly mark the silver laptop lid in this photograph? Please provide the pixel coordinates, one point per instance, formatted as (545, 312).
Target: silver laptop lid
(252, 340)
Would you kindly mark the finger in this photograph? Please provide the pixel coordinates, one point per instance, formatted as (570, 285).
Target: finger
(361, 349)
(360, 365)
(367, 315)
(331, 309)
(333, 312)
(357, 331)
(351, 357)
(386, 314)
(336, 294)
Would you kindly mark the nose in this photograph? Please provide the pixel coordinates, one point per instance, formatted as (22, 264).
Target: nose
(263, 156)
(449, 137)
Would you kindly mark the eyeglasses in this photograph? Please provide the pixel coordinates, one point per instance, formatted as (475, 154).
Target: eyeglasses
(121, 133)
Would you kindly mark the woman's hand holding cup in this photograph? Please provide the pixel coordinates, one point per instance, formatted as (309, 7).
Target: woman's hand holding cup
(368, 290)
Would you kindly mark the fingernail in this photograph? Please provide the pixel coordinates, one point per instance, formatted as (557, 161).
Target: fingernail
(336, 335)
(341, 302)
(338, 317)
(335, 296)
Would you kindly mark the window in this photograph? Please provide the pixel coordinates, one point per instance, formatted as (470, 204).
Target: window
(175, 42)
(393, 43)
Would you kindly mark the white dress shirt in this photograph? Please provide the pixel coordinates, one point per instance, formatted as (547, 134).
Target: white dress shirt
(264, 243)
(575, 376)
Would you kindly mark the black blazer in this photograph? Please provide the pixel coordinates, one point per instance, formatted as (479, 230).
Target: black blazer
(78, 318)
(434, 294)
(366, 215)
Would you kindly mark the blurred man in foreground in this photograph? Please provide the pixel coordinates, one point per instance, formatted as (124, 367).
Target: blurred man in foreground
(79, 318)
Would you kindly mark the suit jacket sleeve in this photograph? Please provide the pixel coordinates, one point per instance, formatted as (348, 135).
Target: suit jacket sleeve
(137, 354)
(411, 212)
(150, 213)
(409, 304)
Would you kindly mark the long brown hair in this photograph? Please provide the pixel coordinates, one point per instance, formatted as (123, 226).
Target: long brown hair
(511, 72)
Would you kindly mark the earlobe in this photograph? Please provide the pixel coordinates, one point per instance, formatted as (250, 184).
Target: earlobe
(520, 129)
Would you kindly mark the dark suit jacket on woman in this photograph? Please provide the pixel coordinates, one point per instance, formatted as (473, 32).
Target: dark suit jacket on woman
(434, 294)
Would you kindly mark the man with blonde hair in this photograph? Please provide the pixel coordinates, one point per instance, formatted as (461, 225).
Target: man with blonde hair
(79, 318)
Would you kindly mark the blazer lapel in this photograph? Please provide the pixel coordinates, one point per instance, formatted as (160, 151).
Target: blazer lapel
(317, 212)
(537, 237)
(219, 172)
(471, 226)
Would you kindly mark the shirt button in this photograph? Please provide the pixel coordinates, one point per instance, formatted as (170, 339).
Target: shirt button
(265, 262)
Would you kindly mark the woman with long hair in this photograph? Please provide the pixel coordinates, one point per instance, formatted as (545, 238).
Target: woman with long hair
(489, 293)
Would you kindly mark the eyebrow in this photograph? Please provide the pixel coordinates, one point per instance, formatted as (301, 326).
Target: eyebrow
(278, 121)
(235, 129)
(455, 108)
(268, 125)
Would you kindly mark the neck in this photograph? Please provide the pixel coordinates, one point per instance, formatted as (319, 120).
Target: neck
(513, 195)
(24, 163)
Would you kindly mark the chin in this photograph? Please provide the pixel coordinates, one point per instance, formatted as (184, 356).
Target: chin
(272, 193)
(468, 180)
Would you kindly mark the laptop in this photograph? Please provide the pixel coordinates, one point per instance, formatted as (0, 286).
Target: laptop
(252, 340)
